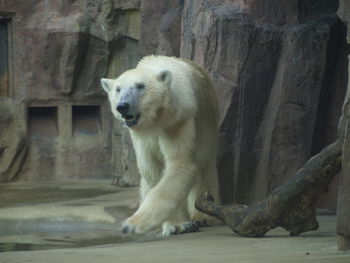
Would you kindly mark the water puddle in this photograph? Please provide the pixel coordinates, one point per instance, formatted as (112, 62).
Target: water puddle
(53, 215)
(54, 235)
(45, 194)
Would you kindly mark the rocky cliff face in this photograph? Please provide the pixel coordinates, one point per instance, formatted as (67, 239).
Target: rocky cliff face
(280, 72)
(58, 51)
(13, 139)
(279, 68)
(343, 208)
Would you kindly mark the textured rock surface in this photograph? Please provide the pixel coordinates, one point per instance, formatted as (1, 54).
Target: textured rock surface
(279, 68)
(60, 50)
(13, 142)
(343, 209)
(161, 27)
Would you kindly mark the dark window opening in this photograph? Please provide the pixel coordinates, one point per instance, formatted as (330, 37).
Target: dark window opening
(86, 120)
(42, 121)
(4, 74)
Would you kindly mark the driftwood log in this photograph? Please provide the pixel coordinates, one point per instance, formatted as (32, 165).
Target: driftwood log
(290, 206)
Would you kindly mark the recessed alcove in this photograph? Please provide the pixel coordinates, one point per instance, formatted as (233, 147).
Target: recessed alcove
(86, 119)
(42, 121)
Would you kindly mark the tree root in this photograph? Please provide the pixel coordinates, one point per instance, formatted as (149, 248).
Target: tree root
(290, 206)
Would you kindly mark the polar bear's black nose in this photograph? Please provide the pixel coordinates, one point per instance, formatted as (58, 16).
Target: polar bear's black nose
(123, 107)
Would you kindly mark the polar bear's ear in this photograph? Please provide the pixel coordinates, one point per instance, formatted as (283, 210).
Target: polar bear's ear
(165, 76)
(107, 84)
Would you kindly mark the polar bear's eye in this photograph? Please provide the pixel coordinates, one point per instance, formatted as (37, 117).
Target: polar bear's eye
(140, 86)
(118, 89)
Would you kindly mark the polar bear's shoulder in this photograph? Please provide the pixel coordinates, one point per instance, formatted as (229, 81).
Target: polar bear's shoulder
(157, 59)
(163, 62)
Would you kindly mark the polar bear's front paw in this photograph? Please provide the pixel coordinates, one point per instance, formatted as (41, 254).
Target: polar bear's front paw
(173, 229)
(136, 224)
(128, 228)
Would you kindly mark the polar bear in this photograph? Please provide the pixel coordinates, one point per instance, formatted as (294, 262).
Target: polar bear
(170, 108)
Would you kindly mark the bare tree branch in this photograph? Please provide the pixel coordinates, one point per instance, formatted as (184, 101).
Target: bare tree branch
(290, 206)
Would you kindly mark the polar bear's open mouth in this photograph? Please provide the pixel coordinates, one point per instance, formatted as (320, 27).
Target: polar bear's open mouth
(131, 120)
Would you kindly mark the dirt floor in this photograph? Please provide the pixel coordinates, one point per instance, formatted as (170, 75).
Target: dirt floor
(79, 222)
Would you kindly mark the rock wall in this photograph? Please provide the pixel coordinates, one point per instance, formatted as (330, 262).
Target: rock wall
(279, 68)
(161, 27)
(343, 209)
(280, 72)
(13, 141)
(59, 51)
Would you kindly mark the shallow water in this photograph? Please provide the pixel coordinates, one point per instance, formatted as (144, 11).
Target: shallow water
(10, 196)
(38, 235)
(52, 215)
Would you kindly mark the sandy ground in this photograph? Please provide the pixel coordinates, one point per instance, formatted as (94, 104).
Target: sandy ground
(101, 206)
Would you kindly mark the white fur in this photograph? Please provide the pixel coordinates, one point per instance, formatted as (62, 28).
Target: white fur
(174, 141)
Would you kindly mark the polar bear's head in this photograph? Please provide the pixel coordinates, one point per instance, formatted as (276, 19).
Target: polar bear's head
(138, 96)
